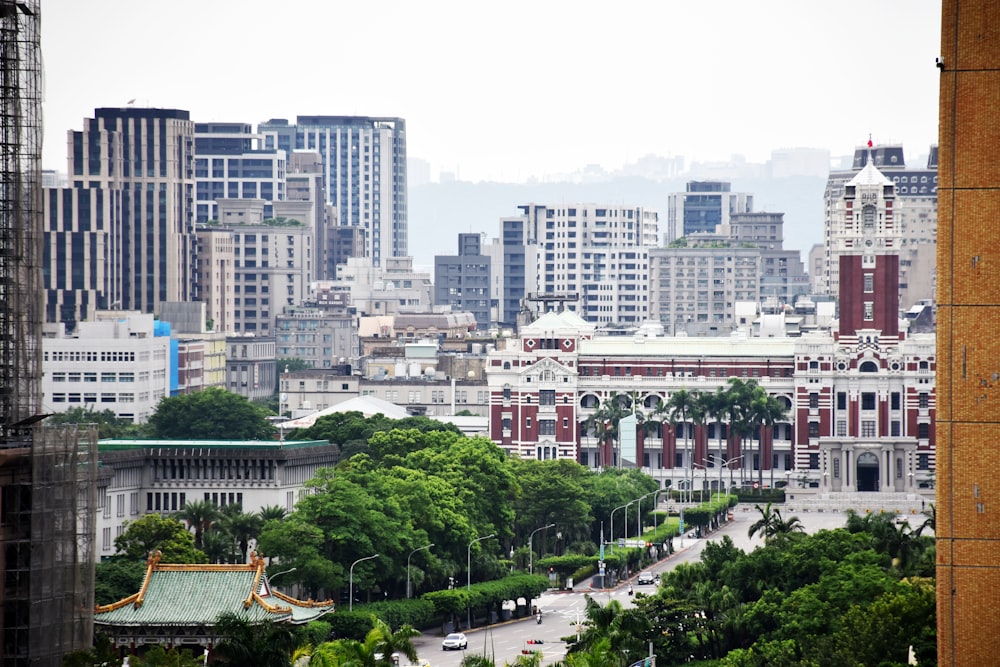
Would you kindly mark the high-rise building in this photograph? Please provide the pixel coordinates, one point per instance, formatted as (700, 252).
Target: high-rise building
(155, 175)
(592, 258)
(462, 281)
(702, 206)
(364, 168)
(968, 307)
(229, 164)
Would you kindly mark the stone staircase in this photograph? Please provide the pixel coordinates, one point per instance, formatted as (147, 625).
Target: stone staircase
(860, 502)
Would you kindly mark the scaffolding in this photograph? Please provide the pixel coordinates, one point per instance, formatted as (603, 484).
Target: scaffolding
(48, 476)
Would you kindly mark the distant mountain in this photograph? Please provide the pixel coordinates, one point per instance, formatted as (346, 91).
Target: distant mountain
(438, 212)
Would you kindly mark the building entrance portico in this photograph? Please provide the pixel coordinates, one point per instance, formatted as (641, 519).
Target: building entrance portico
(867, 476)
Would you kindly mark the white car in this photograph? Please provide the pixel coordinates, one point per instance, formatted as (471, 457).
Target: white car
(456, 640)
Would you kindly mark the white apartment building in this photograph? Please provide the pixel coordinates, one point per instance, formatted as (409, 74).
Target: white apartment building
(392, 287)
(121, 362)
(596, 253)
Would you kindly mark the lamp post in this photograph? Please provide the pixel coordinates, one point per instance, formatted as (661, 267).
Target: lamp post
(612, 540)
(638, 519)
(408, 567)
(350, 590)
(724, 463)
(468, 569)
(531, 553)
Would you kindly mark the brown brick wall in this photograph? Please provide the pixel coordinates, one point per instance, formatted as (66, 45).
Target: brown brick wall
(968, 369)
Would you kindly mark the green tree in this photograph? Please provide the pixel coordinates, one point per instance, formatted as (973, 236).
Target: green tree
(241, 527)
(604, 422)
(200, 516)
(244, 643)
(117, 578)
(209, 414)
(157, 656)
(108, 424)
(151, 533)
(681, 404)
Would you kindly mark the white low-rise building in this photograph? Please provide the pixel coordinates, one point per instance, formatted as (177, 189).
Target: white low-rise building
(140, 477)
(120, 362)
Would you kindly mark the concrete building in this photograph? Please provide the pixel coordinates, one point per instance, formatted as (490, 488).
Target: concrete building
(462, 282)
(364, 167)
(251, 369)
(318, 336)
(274, 263)
(157, 198)
(121, 362)
(201, 351)
(702, 207)
(392, 287)
(593, 257)
(215, 277)
(159, 476)
(968, 305)
(230, 164)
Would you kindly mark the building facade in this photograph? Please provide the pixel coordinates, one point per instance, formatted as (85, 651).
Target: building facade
(364, 167)
(120, 362)
(594, 258)
(702, 207)
(229, 164)
(156, 178)
(251, 368)
(968, 304)
(159, 476)
(462, 281)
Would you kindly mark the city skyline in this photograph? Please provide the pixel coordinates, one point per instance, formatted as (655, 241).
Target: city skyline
(533, 91)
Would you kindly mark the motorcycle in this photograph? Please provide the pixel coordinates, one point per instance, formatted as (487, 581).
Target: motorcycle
(539, 617)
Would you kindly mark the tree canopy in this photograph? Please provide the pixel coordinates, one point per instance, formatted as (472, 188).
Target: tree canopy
(209, 414)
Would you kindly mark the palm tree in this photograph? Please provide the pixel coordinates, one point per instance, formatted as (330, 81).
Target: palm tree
(604, 420)
(242, 527)
(765, 524)
(699, 416)
(199, 515)
(272, 513)
(738, 411)
(773, 411)
(717, 406)
(681, 402)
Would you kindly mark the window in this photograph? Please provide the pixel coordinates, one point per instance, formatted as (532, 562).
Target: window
(923, 400)
(841, 429)
(869, 283)
(841, 400)
(868, 428)
(547, 397)
(813, 429)
(813, 400)
(923, 431)
(868, 400)
(894, 400)
(869, 311)
(546, 427)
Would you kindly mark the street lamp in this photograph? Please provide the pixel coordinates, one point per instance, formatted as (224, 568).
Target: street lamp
(531, 554)
(724, 463)
(350, 590)
(408, 567)
(468, 569)
(638, 519)
(612, 540)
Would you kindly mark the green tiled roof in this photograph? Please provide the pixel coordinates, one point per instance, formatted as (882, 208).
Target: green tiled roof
(195, 595)
(111, 444)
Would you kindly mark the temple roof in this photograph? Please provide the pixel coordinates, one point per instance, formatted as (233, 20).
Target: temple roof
(196, 594)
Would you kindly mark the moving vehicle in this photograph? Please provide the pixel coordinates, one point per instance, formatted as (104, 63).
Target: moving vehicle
(455, 640)
(645, 578)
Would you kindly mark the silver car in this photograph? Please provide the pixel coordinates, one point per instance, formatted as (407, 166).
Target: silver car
(456, 640)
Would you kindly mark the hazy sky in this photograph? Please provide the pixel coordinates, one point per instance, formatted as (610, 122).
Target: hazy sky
(505, 91)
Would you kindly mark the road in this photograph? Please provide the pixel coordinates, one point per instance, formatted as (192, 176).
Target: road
(562, 610)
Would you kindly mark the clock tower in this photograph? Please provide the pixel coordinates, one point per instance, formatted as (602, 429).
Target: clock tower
(868, 241)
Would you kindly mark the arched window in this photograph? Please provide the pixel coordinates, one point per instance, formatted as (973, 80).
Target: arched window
(869, 367)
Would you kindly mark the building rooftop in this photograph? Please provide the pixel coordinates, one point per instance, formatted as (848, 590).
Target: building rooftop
(196, 594)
